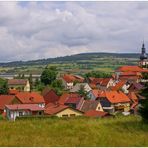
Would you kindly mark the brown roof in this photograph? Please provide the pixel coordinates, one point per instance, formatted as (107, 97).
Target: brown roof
(50, 96)
(17, 81)
(89, 105)
(56, 108)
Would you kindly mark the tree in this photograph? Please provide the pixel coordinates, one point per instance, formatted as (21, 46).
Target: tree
(83, 93)
(48, 75)
(3, 86)
(97, 74)
(57, 84)
(143, 110)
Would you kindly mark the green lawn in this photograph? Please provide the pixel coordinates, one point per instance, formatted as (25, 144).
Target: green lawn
(119, 131)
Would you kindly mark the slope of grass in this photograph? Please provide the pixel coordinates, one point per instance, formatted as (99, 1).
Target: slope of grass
(119, 131)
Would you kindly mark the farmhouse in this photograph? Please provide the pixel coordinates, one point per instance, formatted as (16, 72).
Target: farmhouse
(19, 110)
(19, 84)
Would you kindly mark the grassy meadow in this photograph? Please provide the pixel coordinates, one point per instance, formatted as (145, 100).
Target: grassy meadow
(119, 131)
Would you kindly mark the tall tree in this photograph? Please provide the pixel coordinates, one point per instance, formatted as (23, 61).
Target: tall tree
(48, 75)
(3, 86)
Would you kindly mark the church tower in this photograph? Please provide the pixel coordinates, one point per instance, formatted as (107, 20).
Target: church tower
(143, 58)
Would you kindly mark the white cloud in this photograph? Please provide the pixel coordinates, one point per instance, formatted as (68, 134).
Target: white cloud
(35, 30)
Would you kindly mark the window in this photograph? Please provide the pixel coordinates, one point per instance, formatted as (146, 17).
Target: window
(40, 113)
(66, 115)
(72, 115)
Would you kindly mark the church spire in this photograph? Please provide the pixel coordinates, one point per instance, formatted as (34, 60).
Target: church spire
(143, 52)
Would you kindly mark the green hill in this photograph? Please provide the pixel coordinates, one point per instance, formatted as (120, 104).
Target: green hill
(119, 131)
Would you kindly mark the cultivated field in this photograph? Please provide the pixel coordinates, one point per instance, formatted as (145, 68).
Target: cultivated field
(119, 131)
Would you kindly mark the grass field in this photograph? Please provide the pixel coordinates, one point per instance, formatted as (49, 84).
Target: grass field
(119, 131)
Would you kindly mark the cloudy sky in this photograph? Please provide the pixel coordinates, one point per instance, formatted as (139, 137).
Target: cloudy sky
(35, 30)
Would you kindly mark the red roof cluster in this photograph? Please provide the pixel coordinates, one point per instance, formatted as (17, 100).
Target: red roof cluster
(130, 69)
(100, 81)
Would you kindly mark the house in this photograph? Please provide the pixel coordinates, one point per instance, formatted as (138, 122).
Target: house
(74, 101)
(31, 98)
(79, 86)
(7, 100)
(113, 101)
(50, 96)
(69, 80)
(97, 114)
(122, 85)
(105, 83)
(19, 110)
(19, 84)
(62, 110)
(88, 105)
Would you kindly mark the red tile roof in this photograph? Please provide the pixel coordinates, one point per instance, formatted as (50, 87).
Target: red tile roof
(119, 85)
(51, 96)
(130, 69)
(53, 109)
(17, 81)
(72, 99)
(63, 98)
(32, 107)
(5, 100)
(116, 97)
(100, 81)
(30, 97)
(71, 78)
(94, 113)
(96, 92)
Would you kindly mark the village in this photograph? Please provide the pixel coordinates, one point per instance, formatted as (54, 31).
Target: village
(89, 97)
